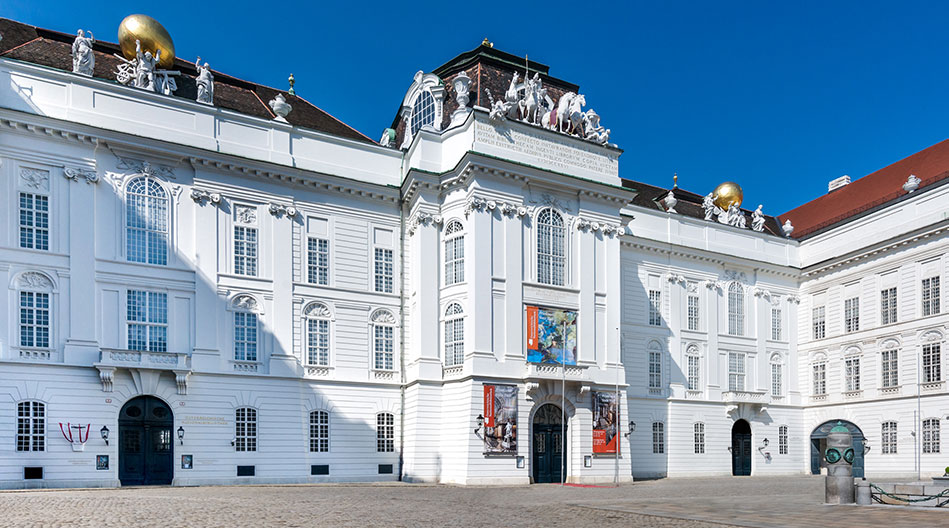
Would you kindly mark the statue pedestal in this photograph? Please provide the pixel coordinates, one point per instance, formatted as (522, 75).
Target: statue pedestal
(839, 489)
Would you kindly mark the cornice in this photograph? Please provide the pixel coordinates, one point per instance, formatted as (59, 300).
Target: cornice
(885, 247)
(691, 253)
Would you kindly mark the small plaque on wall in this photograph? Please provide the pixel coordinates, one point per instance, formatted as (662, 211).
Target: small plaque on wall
(187, 461)
(102, 462)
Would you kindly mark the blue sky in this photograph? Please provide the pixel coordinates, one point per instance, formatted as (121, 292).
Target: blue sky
(780, 97)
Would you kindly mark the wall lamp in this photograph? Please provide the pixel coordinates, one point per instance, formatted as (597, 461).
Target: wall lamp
(480, 424)
(632, 427)
(233, 441)
(181, 434)
(105, 434)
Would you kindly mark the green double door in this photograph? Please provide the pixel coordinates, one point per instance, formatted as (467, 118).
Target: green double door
(548, 445)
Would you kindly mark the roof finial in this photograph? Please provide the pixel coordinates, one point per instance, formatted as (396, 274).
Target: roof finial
(487, 43)
(675, 180)
(291, 81)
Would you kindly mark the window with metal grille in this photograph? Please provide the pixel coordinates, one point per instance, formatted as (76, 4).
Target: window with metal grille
(147, 319)
(34, 319)
(693, 312)
(888, 440)
(698, 431)
(930, 296)
(655, 307)
(383, 270)
(783, 440)
(694, 368)
(146, 221)
(317, 341)
(736, 371)
(245, 429)
(888, 306)
(454, 335)
(932, 363)
(383, 346)
(245, 250)
(852, 315)
(931, 436)
(658, 438)
(852, 373)
(454, 253)
(423, 111)
(551, 251)
(655, 366)
(889, 368)
(818, 322)
(776, 324)
(736, 309)
(319, 431)
(318, 261)
(385, 433)
(819, 378)
(34, 221)
(777, 379)
(245, 336)
(30, 426)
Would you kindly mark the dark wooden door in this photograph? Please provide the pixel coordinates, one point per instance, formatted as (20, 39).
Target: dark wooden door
(741, 448)
(146, 449)
(548, 454)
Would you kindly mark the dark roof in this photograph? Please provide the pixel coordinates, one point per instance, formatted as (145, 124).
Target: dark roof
(871, 192)
(689, 204)
(53, 49)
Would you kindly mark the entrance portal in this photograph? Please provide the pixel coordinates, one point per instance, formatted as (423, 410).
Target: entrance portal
(549, 445)
(145, 445)
(819, 445)
(741, 449)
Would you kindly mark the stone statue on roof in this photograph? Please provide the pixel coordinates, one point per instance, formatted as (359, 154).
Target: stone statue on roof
(711, 210)
(205, 83)
(734, 216)
(757, 219)
(83, 59)
(145, 68)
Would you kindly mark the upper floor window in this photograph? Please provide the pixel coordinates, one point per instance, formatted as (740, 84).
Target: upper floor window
(34, 221)
(319, 431)
(889, 368)
(147, 320)
(454, 253)
(385, 432)
(655, 307)
(551, 251)
(34, 319)
(783, 440)
(318, 261)
(454, 335)
(655, 365)
(736, 371)
(852, 373)
(931, 436)
(30, 426)
(658, 438)
(693, 374)
(888, 305)
(819, 377)
(384, 270)
(317, 318)
(776, 324)
(245, 328)
(932, 362)
(888, 440)
(698, 437)
(930, 296)
(245, 250)
(423, 111)
(777, 376)
(383, 331)
(818, 322)
(146, 221)
(736, 309)
(693, 312)
(852, 315)
(245, 429)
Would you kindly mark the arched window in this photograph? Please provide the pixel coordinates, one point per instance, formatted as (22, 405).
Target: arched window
(655, 365)
(319, 432)
(698, 432)
(783, 440)
(317, 317)
(693, 368)
(454, 253)
(245, 429)
(454, 335)
(385, 432)
(31, 426)
(383, 339)
(423, 111)
(819, 375)
(551, 253)
(658, 438)
(146, 221)
(736, 309)
(245, 328)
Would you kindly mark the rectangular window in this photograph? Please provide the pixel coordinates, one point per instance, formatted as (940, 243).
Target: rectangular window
(819, 322)
(932, 363)
(245, 250)
(693, 315)
(318, 342)
(319, 432)
(852, 315)
(888, 438)
(655, 311)
(777, 380)
(34, 319)
(455, 260)
(385, 433)
(888, 306)
(318, 261)
(699, 438)
(245, 429)
(31, 426)
(147, 319)
(852, 373)
(384, 270)
(736, 371)
(736, 310)
(694, 371)
(245, 336)
(931, 436)
(930, 296)
(655, 369)
(383, 347)
(34, 221)
(783, 440)
(658, 438)
(775, 324)
(454, 342)
(889, 370)
(819, 378)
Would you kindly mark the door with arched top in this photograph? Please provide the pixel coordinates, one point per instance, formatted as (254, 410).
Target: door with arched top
(741, 448)
(549, 445)
(146, 449)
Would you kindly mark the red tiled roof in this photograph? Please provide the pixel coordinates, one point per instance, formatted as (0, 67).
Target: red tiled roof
(873, 190)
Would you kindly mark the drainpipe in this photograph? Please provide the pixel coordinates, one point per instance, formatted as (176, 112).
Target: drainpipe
(401, 327)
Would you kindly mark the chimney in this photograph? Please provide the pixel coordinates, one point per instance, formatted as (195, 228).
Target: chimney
(835, 184)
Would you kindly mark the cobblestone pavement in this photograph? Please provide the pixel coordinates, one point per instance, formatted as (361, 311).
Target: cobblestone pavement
(688, 503)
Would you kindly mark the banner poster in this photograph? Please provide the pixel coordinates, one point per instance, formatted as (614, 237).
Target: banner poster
(500, 419)
(547, 329)
(605, 420)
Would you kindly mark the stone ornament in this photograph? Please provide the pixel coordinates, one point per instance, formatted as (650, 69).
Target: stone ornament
(204, 82)
(423, 218)
(34, 281)
(670, 202)
(461, 83)
(280, 107)
(245, 214)
(757, 219)
(37, 179)
(83, 59)
(74, 174)
(245, 302)
(142, 72)
(201, 196)
(912, 183)
(281, 209)
(787, 228)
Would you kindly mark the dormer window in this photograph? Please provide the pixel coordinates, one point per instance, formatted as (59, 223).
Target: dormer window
(422, 106)
(423, 111)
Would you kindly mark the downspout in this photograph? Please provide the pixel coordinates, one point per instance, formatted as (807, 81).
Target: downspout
(401, 325)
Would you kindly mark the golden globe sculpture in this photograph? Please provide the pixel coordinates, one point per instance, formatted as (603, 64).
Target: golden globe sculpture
(151, 34)
(726, 194)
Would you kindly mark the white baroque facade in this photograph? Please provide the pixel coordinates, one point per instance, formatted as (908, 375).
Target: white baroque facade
(206, 293)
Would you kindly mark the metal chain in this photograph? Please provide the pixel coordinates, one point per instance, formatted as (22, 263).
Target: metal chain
(943, 493)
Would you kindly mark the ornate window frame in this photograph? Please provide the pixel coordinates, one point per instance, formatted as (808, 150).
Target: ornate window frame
(565, 279)
(818, 359)
(776, 359)
(170, 219)
(890, 344)
(383, 318)
(452, 313)
(244, 302)
(454, 230)
(739, 314)
(318, 311)
(693, 351)
(35, 281)
(422, 83)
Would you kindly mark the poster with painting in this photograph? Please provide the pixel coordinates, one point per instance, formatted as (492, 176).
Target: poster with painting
(551, 336)
(102, 462)
(500, 419)
(187, 461)
(605, 422)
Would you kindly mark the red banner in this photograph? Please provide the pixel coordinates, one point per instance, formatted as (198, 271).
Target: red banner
(605, 423)
(489, 405)
(532, 328)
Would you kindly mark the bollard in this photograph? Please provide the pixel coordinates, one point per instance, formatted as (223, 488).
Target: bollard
(838, 484)
(863, 492)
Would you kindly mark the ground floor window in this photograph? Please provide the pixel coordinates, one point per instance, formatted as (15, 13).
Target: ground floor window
(658, 438)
